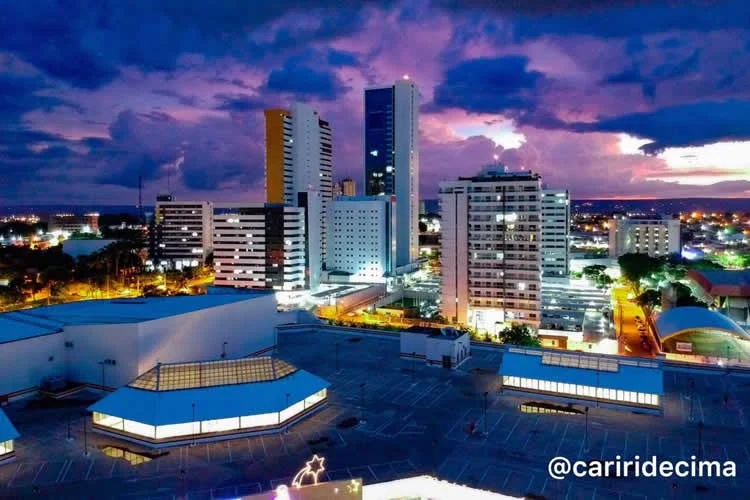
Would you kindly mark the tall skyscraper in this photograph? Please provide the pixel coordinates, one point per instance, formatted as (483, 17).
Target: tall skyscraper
(392, 159)
(181, 233)
(491, 253)
(298, 158)
(348, 188)
(555, 232)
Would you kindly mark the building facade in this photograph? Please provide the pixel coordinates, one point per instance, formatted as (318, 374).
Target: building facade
(360, 238)
(298, 159)
(180, 235)
(392, 159)
(654, 236)
(259, 246)
(71, 223)
(555, 232)
(491, 249)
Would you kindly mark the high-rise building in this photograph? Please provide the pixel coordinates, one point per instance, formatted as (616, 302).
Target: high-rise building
(392, 159)
(259, 246)
(181, 234)
(655, 236)
(555, 232)
(298, 158)
(359, 238)
(491, 249)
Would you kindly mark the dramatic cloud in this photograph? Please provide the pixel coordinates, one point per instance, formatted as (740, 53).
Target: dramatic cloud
(94, 95)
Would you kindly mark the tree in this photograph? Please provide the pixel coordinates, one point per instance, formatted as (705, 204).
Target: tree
(594, 270)
(649, 299)
(519, 334)
(635, 267)
(685, 297)
(603, 281)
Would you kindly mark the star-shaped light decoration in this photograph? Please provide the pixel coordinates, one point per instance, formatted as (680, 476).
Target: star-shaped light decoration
(354, 486)
(311, 469)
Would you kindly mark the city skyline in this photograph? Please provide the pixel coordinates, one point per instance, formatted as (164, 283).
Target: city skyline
(94, 99)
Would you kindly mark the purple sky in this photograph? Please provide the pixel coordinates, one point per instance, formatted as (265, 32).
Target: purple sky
(615, 98)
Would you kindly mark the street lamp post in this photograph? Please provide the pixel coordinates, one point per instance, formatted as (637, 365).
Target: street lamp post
(192, 442)
(224, 350)
(286, 427)
(362, 420)
(586, 440)
(485, 412)
(85, 437)
(691, 386)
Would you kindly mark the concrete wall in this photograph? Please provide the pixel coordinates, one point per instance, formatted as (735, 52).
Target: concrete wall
(24, 363)
(246, 326)
(93, 344)
(413, 343)
(438, 347)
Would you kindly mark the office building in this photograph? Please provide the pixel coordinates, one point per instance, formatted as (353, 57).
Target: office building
(181, 234)
(259, 246)
(490, 249)
(346, 187)
(360, 238)
(555, 232)
(71, 223)
(655, 236)
(392, 159)
(298, 159)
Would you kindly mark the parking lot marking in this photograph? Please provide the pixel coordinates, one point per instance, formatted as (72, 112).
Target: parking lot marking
(63, 469)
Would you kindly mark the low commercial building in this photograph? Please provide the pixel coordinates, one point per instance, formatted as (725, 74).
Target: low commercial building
(701, 335)
(566, 302)
(590, 379)
(728, 291)
(173, 404)
(107, 343)
(8, 434)
(445, 347)
(72, 223)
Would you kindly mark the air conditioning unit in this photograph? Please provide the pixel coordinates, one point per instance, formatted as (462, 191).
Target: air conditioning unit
(69, 344)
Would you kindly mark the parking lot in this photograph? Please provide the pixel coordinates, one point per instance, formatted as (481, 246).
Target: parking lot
(416, 422)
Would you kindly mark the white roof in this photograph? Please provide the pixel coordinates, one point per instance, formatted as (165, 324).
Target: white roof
(44, 320)
(427, 487)
(682, 319)
(7, 431)
(224, 401)
(16, 326)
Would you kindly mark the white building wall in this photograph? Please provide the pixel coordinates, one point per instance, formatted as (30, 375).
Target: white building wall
(655, 237)
(454, 290)
(359, 238)
(437, 347)
(413, 343)
(93, 344)
(406, 165)
(246, 326)
(25, 363)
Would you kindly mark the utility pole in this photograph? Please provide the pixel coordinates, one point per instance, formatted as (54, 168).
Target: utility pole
(586, 439)
(85, 437)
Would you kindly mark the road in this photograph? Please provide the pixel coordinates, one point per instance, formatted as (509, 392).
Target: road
(625, 324)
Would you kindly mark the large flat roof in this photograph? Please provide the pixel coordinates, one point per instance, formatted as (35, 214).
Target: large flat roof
(130, 310)
(7, 431)
(722, 283)
(214, 402)
(684, 319)
(16, 326)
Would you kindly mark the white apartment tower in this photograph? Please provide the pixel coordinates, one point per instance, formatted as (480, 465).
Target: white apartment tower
(259, 246)
(655, 236)
(298, 159)
(555, 233)
(181, 234)
(359, 238)
(392, 159)
(491, 249)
